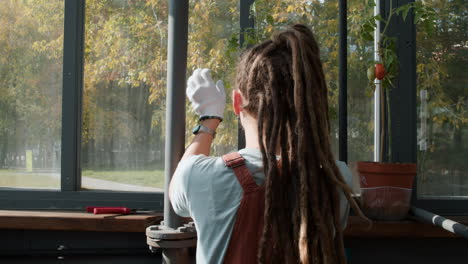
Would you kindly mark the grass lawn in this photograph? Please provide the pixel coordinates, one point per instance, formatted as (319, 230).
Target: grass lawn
(149, 178)
(12, 178)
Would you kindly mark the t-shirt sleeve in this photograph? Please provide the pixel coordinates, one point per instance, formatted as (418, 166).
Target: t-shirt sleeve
(344, 204)
(180, 187)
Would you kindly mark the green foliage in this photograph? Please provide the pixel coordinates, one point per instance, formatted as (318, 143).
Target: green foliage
(125, 68)
(387, 49)
(423, 15)
(31, 42)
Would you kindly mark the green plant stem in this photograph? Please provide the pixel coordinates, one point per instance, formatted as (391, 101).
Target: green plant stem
(389, 130)
(383, 96)
(382, 122)
(387, 22)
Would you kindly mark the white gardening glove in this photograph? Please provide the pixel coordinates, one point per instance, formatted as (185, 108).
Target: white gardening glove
(207, 98)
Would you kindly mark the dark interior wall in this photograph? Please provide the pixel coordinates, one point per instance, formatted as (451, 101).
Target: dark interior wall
(63, 247)
(31, 246)
(104, 259)
(408, 250)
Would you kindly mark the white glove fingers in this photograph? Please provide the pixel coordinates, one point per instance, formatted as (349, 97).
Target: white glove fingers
(206, 75)
(198, 79)
(206, 97)
(220, 87)
(191, 87)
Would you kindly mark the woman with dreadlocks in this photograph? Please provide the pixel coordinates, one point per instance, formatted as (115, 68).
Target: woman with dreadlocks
(283, 198)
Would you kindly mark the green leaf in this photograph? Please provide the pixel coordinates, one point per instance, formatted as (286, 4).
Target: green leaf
(270, 20)
(367, 36)
(417, 17)
(368, 28)
(378, 18)
(405, 13)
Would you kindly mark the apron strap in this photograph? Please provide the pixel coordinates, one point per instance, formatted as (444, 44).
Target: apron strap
(236, 162)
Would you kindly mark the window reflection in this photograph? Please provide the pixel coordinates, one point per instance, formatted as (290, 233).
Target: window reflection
(442, 63)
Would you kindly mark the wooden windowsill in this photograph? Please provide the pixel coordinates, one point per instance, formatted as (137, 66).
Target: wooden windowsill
(76, 221)
(358, 228)
(79, 221)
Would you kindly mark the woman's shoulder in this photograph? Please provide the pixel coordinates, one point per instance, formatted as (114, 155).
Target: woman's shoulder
(202, 169)
(200, 163)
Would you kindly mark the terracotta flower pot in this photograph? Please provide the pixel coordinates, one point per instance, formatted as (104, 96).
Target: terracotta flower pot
(386, 189)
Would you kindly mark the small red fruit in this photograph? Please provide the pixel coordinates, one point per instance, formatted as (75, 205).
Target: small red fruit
(379, 71)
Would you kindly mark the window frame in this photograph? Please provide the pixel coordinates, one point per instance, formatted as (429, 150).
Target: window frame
(70, 195)
(403, 104)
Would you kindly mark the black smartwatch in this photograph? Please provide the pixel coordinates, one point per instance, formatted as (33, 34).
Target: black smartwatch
(210, 117)
(203, 129)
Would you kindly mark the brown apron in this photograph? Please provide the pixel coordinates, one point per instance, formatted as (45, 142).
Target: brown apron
(243, 246)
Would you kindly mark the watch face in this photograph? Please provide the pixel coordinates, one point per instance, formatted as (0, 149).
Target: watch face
(196, 129)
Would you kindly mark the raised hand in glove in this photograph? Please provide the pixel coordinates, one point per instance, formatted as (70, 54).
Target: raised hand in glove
(207, 98)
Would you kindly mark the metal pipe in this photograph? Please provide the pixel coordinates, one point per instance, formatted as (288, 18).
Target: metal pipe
(175, 99)
(437, 220)
(343, 85)
(378, 88)
(246, 23)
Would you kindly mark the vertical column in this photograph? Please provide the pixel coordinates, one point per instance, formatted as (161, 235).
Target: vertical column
(403, 123)
(246, 22)
(175, 98)
(72, 93)
(343, 85)
(378, 90)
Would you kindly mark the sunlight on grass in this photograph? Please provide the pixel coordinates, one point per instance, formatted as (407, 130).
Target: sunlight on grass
(15, 179)
(149, 178)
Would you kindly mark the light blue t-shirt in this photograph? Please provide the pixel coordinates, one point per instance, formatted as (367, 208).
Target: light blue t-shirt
(206, 190)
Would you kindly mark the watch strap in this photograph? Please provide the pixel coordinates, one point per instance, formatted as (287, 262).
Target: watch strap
(204, 129)
(210, 117)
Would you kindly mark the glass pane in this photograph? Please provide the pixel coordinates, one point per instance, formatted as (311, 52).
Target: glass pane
(213, 31)
(360, 92)
(442, 66)
(31, 44)
(124, 95)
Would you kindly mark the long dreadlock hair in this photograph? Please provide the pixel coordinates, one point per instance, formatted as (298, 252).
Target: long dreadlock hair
(283, 84)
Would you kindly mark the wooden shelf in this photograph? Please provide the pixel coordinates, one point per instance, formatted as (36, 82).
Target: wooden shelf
(358, 228)
(76, 221)
(79, 221)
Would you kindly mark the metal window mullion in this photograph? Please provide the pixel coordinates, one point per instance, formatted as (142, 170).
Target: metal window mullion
(343, 84)
(403, 96)
(73, 42)
(246, 23)
(57, 200)
(175, 98)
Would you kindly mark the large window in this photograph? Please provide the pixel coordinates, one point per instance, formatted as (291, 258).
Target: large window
(124, 95)
(83, 92)
(442, 65)
(31, 41)
(360, 93)
(82, 117)
(212, 27)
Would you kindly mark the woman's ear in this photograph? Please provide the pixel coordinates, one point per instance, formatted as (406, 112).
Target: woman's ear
(236, 101)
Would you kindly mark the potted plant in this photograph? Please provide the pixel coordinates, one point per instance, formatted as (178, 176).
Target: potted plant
(386, 186)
